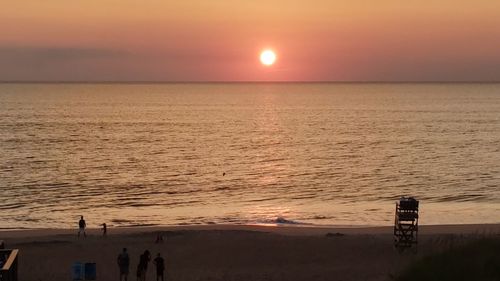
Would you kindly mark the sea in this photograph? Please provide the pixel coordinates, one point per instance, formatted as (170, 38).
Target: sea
(312, 154)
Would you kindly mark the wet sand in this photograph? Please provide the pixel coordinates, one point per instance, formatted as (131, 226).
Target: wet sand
(232, 252)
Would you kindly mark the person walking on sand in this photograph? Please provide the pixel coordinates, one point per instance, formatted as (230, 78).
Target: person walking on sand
(123, 264)
(82, 225)
(160, 267)
(143, 264)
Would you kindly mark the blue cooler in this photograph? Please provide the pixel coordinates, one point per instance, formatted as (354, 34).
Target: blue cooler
(90, 271)
(77, 271)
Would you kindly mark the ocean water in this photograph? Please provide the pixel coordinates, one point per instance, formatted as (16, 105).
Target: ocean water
(315, 154)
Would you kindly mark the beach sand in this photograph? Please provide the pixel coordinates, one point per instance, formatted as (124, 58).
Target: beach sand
(231, 252)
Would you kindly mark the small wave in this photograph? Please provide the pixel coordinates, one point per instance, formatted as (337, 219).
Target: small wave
(25, 219)
(139, 225)
(282, 220)
(305, 196)
(121, 221)
(319, 217)
(462, 198)
(14, 228)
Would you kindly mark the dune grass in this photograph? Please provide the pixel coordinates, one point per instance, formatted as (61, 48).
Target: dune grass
(478, 260)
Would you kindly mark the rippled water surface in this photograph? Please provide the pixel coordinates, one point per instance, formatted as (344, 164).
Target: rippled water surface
(139, 154)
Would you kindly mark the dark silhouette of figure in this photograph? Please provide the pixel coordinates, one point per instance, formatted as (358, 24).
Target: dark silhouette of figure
(104, 230)
(139, 272)
(159, 238)
(123, 263)
(82, 225)
(160, 267)
(143, 265)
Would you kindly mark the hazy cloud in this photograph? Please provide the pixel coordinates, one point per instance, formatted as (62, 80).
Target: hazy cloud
(41, 62)
(13, 53)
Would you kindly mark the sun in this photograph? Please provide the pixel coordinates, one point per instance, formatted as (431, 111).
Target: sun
(267, 57)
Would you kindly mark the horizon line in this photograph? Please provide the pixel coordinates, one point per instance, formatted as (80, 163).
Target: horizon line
(248, 82)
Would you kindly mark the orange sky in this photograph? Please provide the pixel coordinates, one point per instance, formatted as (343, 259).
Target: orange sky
(220, 40)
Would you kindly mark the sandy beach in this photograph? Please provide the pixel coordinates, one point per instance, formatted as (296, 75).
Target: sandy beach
(235, 252)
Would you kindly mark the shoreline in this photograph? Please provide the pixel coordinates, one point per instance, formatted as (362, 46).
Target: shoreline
(284, 229)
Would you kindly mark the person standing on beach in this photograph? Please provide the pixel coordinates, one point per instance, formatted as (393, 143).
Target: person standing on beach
(123, 264)
(104, 230)
(143, 264)
(82, 225)
(139, 272)
(160, 267)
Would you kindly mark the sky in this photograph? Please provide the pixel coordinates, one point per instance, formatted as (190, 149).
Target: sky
(220, 40)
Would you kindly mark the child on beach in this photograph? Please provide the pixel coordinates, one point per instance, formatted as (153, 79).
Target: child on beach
(104, 230)
(159, 238)
(139, 272)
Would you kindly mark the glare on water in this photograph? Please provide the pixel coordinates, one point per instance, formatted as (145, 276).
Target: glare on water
(137, 154)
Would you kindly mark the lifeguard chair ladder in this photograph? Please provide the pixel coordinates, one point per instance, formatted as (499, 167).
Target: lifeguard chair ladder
(406, 222)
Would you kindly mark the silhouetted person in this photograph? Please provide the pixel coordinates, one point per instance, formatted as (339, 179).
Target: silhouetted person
(139, 272)
(82, 225)
(104, 229)
(123, 263)
(159, 238)
(143, 264)
(160, 267)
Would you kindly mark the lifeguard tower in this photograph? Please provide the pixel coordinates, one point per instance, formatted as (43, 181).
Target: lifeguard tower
(406, 222)
(8, 264)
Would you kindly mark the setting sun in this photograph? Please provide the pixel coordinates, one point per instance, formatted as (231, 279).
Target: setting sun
(267, 57)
